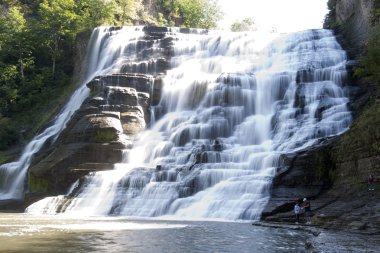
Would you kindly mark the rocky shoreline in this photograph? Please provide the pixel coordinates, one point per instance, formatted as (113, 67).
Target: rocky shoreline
(330, 240)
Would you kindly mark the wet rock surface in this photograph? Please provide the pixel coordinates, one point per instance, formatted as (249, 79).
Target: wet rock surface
(334, 177)
(108, 121)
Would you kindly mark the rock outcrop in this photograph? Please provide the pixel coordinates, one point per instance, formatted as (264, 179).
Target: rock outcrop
(117, 109)
(354, 19)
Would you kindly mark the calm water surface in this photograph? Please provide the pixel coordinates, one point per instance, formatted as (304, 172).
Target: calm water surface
(27, 233)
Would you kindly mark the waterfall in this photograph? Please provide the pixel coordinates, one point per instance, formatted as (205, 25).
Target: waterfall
(230, 109)
(13, 174)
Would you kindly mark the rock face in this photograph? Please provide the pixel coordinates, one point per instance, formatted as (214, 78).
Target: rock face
(306, 174)
(355, 18)
(334, 174)
(107, 122)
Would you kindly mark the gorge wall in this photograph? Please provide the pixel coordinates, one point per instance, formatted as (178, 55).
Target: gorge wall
(354, 20)
(338, 170)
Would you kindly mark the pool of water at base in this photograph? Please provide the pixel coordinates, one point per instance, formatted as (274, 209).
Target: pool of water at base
(27, 233)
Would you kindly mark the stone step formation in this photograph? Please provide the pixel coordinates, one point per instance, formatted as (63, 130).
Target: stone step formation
(108, 121)
(227, 123)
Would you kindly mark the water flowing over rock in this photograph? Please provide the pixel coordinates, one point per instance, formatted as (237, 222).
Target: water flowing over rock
(13, 175)
(230, 113)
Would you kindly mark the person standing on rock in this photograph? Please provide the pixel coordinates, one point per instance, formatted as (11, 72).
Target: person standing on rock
(371, 183)
(308, 213)
(297, 212)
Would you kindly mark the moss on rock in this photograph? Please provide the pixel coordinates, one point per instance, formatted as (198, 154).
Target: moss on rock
(104, 135)
(38, 184)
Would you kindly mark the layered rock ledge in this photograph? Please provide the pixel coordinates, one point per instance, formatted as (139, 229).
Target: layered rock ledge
(109, 120)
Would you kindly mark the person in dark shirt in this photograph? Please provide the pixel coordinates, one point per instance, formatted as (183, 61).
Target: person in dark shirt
(307, 207)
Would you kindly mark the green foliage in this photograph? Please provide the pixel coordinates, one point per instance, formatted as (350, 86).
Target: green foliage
(247, 24)
(6, 132)
(94, 13)
(330, 21)
(369, 62)
(36, 50)
(125, 10)
(358, 144)
(161, 21)
(104, 135)
(8, 86)
(191, 13)
(199, 13)
(37, 184)
(364, 132)
(170, 9)
(4, 157)
(57, 23)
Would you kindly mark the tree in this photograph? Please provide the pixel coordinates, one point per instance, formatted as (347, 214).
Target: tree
(170, 9)
(9, 91)
(330, 18)
(126, 8)
(58, 22)
(199, 13)
(93, 13)
(247, 24)
(212, 13)
(16, 41)
(16, 55)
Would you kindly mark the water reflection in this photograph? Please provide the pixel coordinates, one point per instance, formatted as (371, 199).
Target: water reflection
(26, 233)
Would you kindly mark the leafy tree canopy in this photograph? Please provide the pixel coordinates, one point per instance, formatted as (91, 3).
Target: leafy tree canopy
(37, 39)
(247, 24)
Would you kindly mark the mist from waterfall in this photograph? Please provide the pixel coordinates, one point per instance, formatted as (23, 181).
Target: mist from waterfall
(230, 110)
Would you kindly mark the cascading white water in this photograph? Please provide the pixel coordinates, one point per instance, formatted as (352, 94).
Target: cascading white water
(229, 110)
(12, 175)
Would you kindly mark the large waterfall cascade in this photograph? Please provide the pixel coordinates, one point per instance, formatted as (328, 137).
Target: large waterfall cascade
(230, 109)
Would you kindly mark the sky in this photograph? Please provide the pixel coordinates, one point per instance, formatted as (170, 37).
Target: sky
(283, 15)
